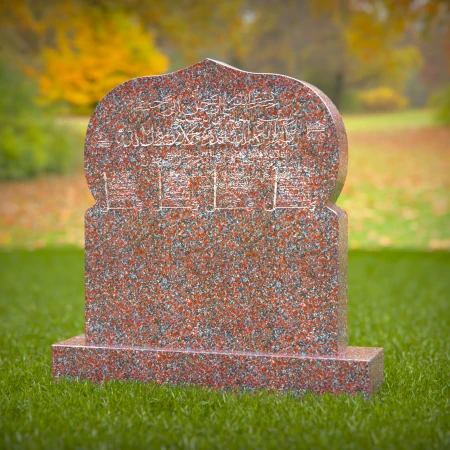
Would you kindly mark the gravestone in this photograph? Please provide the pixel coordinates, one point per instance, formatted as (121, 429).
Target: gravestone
(215, 253)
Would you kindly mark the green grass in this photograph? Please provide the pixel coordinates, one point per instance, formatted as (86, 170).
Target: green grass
(407, 119)
(398, 300)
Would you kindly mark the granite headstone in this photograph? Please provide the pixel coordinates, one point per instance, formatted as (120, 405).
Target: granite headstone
(215, 253)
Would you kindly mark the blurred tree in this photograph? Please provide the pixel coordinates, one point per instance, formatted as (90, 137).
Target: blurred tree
(382, 99)
(30, 141)
(94, 54)
(83, 53)
(190, 29)
(339, 45)
(378, 40)
(435, 73)
(80, 49)
(342, 44)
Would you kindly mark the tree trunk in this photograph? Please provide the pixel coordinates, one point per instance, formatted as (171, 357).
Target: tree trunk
(338, 89)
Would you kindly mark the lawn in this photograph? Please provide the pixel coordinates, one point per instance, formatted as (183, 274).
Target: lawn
(397, 300)
(384, 122)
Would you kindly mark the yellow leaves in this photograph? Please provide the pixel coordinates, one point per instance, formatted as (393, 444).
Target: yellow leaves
(382, 99)
(93, 54)
(374, 34)
(366, 37)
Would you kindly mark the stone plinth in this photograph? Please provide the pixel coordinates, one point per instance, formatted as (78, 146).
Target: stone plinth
(356, 370)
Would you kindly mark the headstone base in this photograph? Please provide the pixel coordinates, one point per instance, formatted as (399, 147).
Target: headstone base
(356, 370)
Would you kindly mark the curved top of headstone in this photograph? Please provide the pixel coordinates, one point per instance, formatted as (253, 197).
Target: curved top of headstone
(211, 136)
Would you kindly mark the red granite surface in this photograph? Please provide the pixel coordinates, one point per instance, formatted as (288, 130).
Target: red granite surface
(227, 281)
(215, 236)
(356, 371)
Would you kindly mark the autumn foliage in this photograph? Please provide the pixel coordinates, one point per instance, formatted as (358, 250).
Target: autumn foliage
(78, 51)
(382, 98)
(96, 54)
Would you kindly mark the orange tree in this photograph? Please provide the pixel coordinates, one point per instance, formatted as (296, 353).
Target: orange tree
(78, 52)
(94, 55)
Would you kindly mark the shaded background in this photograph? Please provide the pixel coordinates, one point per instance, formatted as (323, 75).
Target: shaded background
(384, 63)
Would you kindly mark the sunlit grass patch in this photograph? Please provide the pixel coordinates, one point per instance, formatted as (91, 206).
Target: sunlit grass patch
(391, 121)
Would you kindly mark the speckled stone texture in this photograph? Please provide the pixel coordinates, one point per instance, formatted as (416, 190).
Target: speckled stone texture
(356, 370)
(215, 254)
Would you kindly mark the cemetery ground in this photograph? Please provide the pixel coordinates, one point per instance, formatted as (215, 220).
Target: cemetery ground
(397, 299)
(397, 198)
